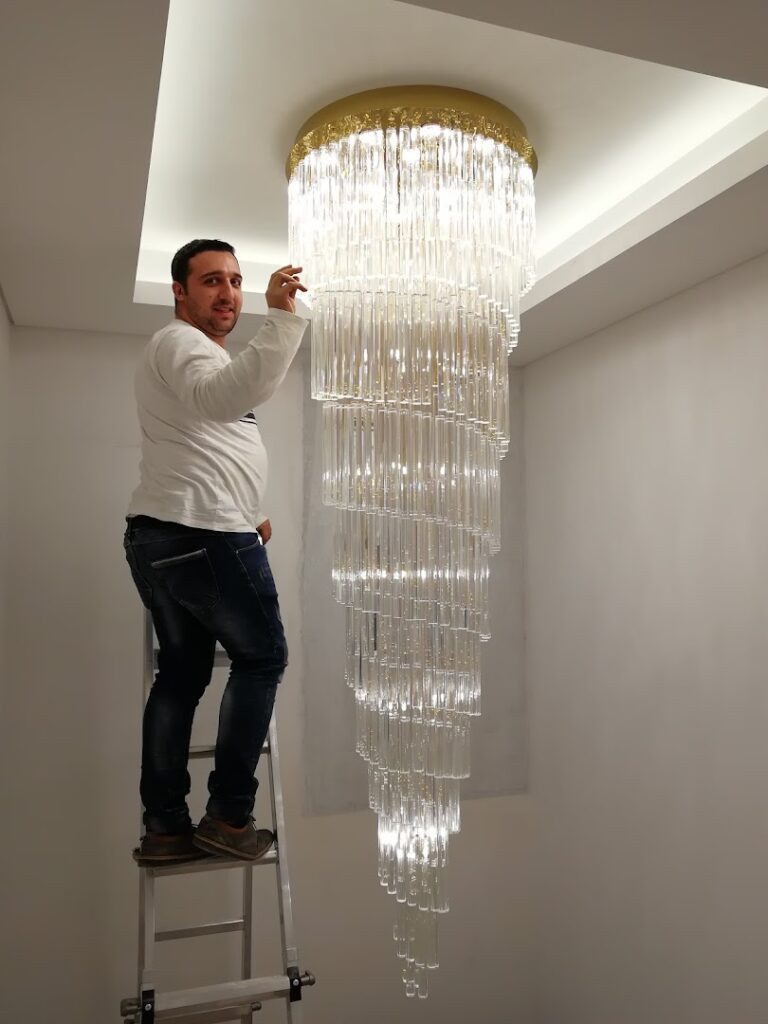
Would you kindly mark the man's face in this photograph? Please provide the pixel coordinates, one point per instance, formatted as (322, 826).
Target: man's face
(213, 296)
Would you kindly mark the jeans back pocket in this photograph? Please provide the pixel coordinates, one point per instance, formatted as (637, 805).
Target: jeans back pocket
(190, 579)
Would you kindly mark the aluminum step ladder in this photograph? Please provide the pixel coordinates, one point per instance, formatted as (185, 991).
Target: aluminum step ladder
(233, 1000)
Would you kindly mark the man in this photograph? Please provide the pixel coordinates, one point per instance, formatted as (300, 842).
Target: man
(195, 546)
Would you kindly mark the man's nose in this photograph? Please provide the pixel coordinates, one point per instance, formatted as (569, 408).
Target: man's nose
(227, 291)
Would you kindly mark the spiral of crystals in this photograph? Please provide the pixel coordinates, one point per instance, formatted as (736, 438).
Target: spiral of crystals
(417, 243)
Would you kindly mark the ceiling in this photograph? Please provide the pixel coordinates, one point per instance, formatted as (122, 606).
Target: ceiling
(650, 175)
(708, 36)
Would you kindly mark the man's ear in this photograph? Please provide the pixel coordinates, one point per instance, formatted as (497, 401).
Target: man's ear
(178, 291)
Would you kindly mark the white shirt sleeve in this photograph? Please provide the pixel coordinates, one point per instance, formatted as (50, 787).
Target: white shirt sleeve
(191, 367)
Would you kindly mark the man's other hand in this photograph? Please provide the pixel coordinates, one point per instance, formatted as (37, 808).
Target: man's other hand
(282, 288)
(264, 530)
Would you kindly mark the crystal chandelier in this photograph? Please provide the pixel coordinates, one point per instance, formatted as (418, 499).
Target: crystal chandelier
(412, 211)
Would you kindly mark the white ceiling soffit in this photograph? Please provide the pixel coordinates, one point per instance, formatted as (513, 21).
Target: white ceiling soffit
(633, 156)
(625, 147)
(728, 230)
(726, 40)
(78, 89)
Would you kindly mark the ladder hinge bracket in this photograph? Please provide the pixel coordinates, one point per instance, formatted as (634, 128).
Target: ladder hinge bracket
(295, 981)
(148, 1006)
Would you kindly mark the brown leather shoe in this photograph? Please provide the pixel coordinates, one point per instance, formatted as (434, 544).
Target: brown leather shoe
(157, 849)
(247, 843)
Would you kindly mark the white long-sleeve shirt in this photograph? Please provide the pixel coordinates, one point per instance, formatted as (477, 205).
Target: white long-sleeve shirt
(203, 462)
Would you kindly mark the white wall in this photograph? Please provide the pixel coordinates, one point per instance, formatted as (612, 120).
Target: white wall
(647, 488)
(647, 496)
(5, 423)
(70, 746)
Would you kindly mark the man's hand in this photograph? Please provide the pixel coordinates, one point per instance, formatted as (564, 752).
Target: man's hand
(264, 530)
(282, 288)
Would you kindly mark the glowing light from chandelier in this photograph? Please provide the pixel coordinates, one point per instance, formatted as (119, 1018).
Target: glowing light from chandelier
(412, 212)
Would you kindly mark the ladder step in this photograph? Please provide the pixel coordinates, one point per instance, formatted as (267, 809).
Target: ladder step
(214, 928)
(206, 1017)
(218, 1016)
(208, 864)
(208, 750)
(202, 751)
(229, 995)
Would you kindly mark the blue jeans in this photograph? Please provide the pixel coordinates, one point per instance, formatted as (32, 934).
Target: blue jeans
(202, 586)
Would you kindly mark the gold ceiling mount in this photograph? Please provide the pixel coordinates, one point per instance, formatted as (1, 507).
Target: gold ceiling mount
(412, 105)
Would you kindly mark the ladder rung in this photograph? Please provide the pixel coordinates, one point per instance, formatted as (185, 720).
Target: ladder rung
(214, 928)
(201, 750)
(230, 994)
(129, 1009)
(218, 1016)
(208, 864)
(208, 750)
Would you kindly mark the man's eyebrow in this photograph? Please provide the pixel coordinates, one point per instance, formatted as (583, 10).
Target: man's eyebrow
(220, 273)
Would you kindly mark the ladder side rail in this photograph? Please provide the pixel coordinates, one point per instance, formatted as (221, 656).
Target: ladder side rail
(247, 936)
(147, 921)
(289, 948)
(147, 927)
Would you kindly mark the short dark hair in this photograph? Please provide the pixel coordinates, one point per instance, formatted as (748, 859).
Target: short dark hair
(180, 262)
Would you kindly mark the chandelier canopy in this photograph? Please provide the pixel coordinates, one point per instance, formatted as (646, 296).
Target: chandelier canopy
(412, 106)
(411, 210)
